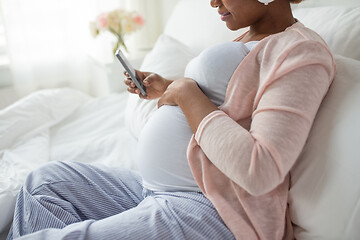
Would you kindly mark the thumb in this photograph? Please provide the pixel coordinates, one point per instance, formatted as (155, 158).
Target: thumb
(160, 102)
(147, 82)
(149, 79)
(142, 75)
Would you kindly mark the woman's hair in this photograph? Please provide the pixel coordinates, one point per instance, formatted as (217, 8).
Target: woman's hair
(295, 1)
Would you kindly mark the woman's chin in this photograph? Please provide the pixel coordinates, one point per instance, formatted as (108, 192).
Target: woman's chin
(232, 27)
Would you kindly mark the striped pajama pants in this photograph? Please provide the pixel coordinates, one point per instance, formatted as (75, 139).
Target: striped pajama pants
(64, 200)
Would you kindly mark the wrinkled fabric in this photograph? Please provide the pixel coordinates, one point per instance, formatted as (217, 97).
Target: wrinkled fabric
(72, 200)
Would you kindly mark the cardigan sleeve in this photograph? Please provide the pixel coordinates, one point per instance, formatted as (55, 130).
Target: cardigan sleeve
(259, 159)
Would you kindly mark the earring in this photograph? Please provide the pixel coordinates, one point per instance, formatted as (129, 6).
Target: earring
(265, 2)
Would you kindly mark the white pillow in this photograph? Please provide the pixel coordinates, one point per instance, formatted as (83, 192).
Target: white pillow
(196, 24)
(322, 3)
(337, 21)
(339, 26)
(325, 193)
(168, 58)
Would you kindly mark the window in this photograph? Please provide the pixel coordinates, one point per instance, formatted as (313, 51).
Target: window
(4, 60)
(3, 56)
(5, 76)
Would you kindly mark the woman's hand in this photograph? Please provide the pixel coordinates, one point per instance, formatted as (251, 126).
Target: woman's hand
(186, 94)
(154, 83)
(177, 89)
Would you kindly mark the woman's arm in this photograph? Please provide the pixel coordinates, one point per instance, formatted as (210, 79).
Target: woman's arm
(259, 159)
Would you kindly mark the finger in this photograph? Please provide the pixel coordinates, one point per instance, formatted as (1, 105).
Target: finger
(146, 82)
(137, 91)
(144, 75)
(160, 103)
(142, 96)
(150, 78)
(129, 83)
(126, 74)
(132, 90)
(140, 74)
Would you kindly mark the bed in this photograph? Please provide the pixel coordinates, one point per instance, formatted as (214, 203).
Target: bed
(68, 125)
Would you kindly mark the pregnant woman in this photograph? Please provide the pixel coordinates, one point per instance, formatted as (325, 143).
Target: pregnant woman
(214, 159)
(163, 142)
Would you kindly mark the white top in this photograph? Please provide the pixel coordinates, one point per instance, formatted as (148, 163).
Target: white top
(163, 142)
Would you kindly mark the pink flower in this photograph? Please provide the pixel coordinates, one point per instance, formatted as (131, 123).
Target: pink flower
(102, 21)
(139, 20)
(118, 22)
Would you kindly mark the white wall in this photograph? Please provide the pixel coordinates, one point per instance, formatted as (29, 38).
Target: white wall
(315, 3)
(167, 6)
(156, 14)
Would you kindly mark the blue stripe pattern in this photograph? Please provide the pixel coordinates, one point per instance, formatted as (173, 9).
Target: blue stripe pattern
(70, 200)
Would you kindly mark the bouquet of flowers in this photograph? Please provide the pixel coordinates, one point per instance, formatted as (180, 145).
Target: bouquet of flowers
(119, 22)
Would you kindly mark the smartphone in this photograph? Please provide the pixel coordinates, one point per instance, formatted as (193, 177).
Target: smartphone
(131, 71)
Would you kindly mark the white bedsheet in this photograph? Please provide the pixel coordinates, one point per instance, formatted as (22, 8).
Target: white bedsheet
(59, 125)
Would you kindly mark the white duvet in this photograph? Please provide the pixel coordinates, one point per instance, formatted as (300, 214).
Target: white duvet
(59, 125)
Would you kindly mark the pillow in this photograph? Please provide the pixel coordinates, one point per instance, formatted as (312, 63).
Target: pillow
(168, 58)
(321, 3)
(339, 26)
(325, 194)
(198, 25)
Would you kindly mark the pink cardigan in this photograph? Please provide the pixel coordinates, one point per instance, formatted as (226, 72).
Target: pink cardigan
(241, 155)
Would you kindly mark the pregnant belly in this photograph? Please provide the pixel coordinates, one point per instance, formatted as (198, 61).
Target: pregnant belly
(161, 153)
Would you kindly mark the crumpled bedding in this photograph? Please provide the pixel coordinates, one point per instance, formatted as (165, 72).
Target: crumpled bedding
(59, 125)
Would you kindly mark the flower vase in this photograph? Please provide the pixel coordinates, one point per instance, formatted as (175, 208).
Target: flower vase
(119, 43)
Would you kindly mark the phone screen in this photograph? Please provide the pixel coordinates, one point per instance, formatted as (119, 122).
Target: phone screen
(131, 71)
